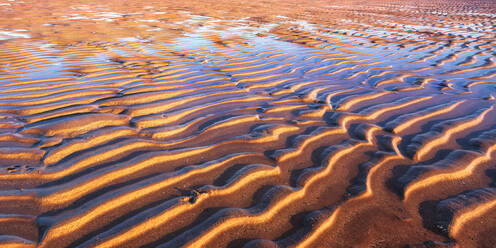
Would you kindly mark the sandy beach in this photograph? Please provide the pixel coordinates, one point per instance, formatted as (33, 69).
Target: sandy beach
(262, 123)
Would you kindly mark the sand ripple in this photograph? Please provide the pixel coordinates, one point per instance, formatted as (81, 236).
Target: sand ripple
(169, 124)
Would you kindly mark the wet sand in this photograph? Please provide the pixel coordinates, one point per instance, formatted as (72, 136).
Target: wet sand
(263, 124)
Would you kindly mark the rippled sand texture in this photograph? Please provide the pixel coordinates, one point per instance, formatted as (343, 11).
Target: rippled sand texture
(262, 124)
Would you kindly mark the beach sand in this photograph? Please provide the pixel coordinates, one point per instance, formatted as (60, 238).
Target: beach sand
(262, 123)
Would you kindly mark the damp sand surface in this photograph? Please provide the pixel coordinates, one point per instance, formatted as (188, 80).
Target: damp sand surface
(276, 123)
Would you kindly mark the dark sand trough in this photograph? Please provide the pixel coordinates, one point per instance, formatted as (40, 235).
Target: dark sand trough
(261, 124)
